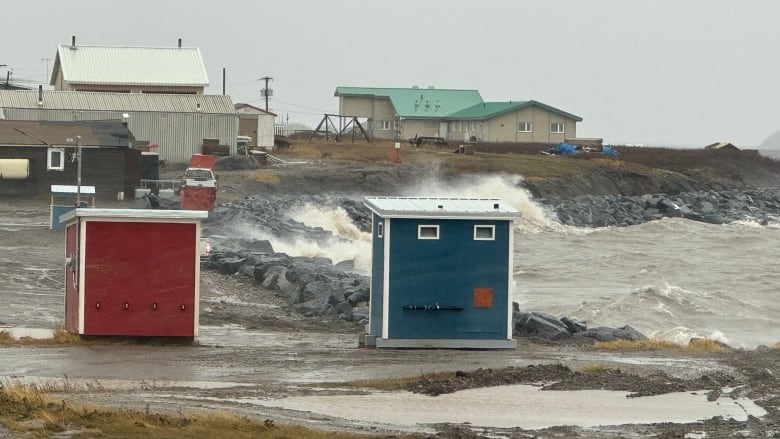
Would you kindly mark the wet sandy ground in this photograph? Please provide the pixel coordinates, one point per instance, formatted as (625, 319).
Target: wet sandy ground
(269, 371)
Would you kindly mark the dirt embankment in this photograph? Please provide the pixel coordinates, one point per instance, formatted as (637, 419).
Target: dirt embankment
(370, 169)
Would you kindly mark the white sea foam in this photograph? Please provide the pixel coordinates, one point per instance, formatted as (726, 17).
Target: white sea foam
(534, 217)
(682, 335)
(334, 219)
(348, 242)
(355, 244)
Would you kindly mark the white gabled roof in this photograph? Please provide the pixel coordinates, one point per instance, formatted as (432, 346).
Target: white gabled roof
(158, 66)
(447, 208)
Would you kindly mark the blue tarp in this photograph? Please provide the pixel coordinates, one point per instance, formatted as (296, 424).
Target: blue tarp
(610, 151)
(565, 149)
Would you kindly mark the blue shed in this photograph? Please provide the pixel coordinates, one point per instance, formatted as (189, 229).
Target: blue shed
(441, 273)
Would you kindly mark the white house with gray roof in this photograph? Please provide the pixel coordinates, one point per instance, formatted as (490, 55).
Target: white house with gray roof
(169, 70)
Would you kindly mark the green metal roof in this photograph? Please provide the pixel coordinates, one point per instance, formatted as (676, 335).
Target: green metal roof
(435, 103)
(419, 103)
(489, 110)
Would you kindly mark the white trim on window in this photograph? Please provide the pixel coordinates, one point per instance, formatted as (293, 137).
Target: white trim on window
(427, 231)
(484, 232)
(55, 159)
(380, 229)
(525, 127)
(383, 125)
(556, 127)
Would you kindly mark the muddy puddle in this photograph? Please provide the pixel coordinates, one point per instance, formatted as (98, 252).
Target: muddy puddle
(519, 406)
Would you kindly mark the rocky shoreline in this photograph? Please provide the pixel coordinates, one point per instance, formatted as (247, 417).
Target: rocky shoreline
(714, 207)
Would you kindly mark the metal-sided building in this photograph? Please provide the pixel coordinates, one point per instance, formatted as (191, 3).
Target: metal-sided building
(132, 272)
(441, 273)
(178, 123)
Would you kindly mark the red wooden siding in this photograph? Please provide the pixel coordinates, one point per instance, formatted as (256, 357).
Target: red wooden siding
(141, 274)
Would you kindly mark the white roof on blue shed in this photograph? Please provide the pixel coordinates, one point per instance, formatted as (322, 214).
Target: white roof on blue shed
(447, 208)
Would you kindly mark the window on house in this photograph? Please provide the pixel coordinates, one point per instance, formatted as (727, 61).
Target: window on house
(383, 124)
(55, 159)
(556, 127)
(484, 233)
(524, 127)
(380, 230)
(427, 232)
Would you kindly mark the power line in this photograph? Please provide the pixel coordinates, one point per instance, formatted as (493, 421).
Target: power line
(304, 106)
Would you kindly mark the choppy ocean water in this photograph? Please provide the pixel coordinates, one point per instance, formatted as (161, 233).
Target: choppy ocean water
(671, 279)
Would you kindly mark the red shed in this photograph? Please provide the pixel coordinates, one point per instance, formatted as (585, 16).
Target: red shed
(132, 272)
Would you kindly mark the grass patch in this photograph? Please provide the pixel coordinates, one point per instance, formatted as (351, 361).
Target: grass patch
(524, 159)
(31, 413)
(596, 369)
(390, 384)
(704, 345)
(60, 337)
(775, 346)
(359, 152)
(269, 179)
(696, 344)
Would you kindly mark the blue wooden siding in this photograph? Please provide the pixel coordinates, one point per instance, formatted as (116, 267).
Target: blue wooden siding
(446, 271)
(377, 277)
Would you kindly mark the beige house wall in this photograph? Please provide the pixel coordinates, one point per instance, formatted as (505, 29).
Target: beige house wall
(419, 127)
(504, 128)
(247, 126)
(375, 110)
(463, 130)
(356, 106)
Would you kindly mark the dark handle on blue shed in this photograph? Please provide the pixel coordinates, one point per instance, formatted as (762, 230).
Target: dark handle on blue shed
(435, 307)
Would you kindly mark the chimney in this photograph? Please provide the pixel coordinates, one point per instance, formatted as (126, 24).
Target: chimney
(179, 43)
(73, 42)
(40, 95)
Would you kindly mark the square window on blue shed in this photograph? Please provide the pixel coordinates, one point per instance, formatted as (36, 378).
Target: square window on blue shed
(484, 233)
(428, 232)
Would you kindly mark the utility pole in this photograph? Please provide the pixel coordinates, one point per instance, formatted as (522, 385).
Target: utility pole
(78, 171)
(266, 92)
(47, 64)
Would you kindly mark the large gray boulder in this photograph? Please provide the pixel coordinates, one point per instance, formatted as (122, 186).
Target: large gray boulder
(605, 333)
(539, 324)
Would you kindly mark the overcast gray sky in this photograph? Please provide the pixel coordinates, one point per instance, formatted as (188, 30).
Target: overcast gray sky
(655, 72)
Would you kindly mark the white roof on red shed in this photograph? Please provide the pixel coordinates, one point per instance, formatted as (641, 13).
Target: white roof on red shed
(155, 215)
